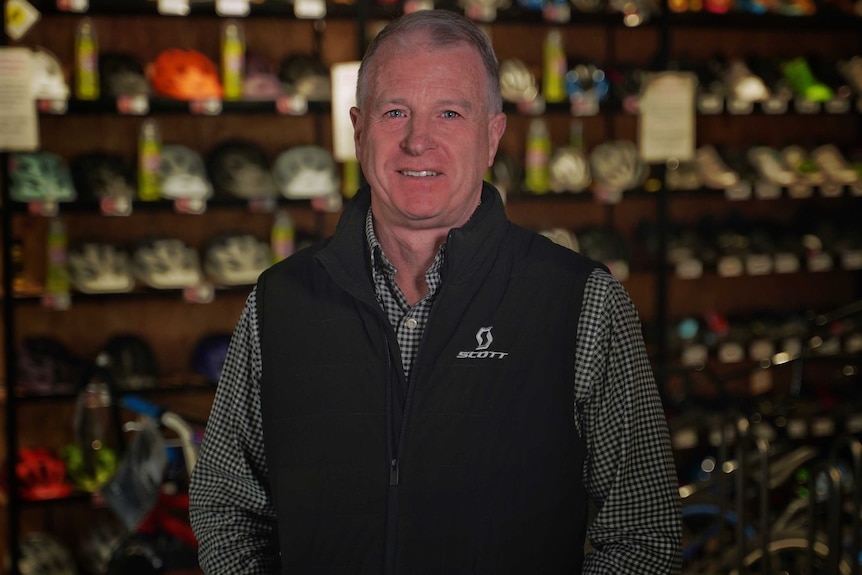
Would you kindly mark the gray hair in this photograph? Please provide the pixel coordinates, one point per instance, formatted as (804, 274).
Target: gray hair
(445, 28)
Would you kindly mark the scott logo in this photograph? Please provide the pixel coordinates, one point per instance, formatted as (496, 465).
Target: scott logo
(484, 339)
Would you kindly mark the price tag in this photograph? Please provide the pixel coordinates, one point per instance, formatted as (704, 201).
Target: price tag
(767, 190)
(739, 107)
(774, 106)
(584, 104)
(309, 9)
(758, 264)
(73, 5)
(292, 104)
(194, 206)
(837, 106)
(232, 7)
(416, 5)
(821, 262)
(800, 191)
(534, 107)
(730, 352)
(689, 269)
(831, 190)
(173, 7)
(206, 107)
(57, 301)
(329, 203)
(481, 11)
(557, 12)
(47, 208)
(804, 106)
(786, 263)
(738, 192)
(203, 292)
(730, 266)
(137, 105)
(110, 206)
(851, 259)
(52, 106)
(709, 104)
(262, 205)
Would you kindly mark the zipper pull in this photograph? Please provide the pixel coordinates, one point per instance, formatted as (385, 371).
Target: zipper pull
(393, 472)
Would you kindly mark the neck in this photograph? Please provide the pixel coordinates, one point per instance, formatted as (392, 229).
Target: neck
(412, 253)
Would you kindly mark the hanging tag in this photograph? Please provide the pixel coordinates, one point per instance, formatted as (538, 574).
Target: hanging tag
(57, 301)
(232, 7)
(73, 5)
(137, 105)
(309, 9)
(206, 107)
(20, 17)
(292, 104)
(173, 7)
(193, 206)
(203, 292)
(109, 206)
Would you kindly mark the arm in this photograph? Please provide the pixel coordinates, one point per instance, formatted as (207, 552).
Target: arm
(230, 506)
(629, 473)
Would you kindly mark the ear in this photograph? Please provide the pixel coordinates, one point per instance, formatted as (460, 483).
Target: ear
(496, 127)
(356, 120)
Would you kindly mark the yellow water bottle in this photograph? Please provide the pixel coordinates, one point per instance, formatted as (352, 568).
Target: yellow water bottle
(536, 173)
(233, 59)
(554, 68)
(149, 161)
(86, 61)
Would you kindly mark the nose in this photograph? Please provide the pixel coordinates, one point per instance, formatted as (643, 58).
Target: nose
(417, 138)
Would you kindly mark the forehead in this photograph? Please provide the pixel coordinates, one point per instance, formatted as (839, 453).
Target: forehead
(413, 61)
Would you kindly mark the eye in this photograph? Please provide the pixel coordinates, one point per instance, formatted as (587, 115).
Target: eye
(395, 114)
(451, 114)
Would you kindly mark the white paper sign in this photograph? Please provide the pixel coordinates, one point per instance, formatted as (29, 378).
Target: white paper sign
(343, 76)
(20, 17)
(666, 126)
(19, 129)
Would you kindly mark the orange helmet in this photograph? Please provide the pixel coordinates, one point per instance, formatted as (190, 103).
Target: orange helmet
(184, 75)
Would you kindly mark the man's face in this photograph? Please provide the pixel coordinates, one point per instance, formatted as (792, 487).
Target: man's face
(425, 137)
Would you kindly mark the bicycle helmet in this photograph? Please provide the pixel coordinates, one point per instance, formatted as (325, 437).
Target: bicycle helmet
(130, 362)
(183, 174)
(46, 366)
(100, 268)
(305, 75)
(617, 165)
(209, 355)
(166, 263)
(304, 172)
(49, 82)
(40, 177)
(105, 177)
(236, 259)
(260, 81)
(41, 474)
(122, 75)
(44, 554)
(517, 83)
(184, 75)
(239, 168)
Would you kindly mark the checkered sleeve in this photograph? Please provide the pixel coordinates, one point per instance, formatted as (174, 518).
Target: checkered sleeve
(629, 473)
(230, 508)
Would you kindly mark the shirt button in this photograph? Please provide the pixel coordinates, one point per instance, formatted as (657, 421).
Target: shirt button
(411, 323)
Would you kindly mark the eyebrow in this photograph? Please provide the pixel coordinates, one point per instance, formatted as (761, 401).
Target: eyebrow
(462, 103)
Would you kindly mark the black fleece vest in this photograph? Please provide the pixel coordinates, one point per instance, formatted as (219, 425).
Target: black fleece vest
(474, 466)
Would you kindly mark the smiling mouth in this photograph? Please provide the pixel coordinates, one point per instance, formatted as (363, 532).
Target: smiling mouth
(419, 174)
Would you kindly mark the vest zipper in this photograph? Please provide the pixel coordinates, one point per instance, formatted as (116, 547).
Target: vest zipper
(393, 472)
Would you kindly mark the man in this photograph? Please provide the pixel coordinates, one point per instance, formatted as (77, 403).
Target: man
(434, 390)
